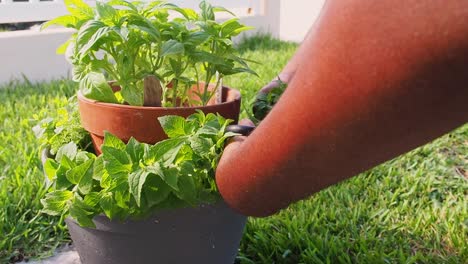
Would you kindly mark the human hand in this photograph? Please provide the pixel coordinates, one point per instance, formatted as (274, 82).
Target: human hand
(267, 98)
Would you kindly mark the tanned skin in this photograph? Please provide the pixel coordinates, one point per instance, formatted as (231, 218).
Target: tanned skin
(373, 80)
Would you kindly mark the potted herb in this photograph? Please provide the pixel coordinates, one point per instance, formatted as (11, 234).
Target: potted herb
(138, 203)
(150, 60)
(150, 84)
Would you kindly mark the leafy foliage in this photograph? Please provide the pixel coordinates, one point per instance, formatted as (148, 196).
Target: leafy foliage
(61, 127)
(135, 179)
(264, 102)
(125, 42)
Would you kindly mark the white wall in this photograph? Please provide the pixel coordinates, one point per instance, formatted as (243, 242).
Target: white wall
(15, 12)
(296, 17)
(32, 53)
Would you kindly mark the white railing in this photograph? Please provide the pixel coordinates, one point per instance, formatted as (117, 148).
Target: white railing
(13, 11)
(32, 53)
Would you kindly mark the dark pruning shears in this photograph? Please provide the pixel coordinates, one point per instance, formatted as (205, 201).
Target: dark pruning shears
(240, 129)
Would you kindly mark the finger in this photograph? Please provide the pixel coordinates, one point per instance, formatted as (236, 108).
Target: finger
(234, 141)
(246, 122)
(267, 88)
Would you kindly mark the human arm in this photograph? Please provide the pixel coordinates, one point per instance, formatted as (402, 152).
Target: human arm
(376, 80)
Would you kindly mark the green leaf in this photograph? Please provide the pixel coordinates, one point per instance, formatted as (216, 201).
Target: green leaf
(172, 125)
(203, 56)
(186, 12)
(61, 182)
(171, 47)
(98, 35)
(207, 130)
(79, 9)
(117, 154)
(83, 156)
(55, 203)
(222, 9)
(86, 183)
(201, 145)
(230, 71)
(135, 181)
(135, 150)
(92, 199)
(86, 31)
(112, 141)
(68, 21)
(187, 189)
(123, 3)
(108, 206)
(232, 28)
(140, 21)
(152, 32)
(176, 67)
(132, 94)
(94, 86)
(168, 175)
(77, 173)
(116, 162)
(106, 12)
(122, 199)
(67, 163)
(50, 169)
(189, 13)
(69, 150)
(82, 213)
(123, 32)
(207, 11)
(98, 168)
(164, 151)
(155, 190)
(197, 38)
(106, 180)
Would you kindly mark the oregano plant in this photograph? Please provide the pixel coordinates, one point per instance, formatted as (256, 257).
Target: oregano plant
(127, 42)
(134, 180)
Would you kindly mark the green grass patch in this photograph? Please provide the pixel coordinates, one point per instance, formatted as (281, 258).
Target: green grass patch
(25, 232)
(409, 210)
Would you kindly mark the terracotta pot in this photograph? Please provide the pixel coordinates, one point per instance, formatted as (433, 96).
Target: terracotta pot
(141, 122)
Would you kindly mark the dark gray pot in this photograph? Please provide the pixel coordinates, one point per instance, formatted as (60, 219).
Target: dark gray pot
(208, 234)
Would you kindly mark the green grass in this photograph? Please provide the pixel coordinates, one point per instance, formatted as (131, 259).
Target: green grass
(409, 210)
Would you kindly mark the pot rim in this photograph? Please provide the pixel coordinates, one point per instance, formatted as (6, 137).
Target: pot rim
(237, 97)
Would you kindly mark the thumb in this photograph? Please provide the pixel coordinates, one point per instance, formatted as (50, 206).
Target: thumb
(246, 122)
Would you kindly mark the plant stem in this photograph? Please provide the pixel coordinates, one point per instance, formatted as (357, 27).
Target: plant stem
(174, 92)
(205, 89)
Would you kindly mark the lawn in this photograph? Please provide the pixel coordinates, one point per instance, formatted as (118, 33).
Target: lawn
(409, 210)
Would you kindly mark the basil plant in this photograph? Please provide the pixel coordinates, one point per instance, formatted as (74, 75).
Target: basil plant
(125, 42)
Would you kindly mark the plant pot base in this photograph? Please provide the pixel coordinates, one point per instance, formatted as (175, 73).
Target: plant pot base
(208, 234)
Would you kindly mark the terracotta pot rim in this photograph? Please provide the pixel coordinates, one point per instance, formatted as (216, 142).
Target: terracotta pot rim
(112, 105)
